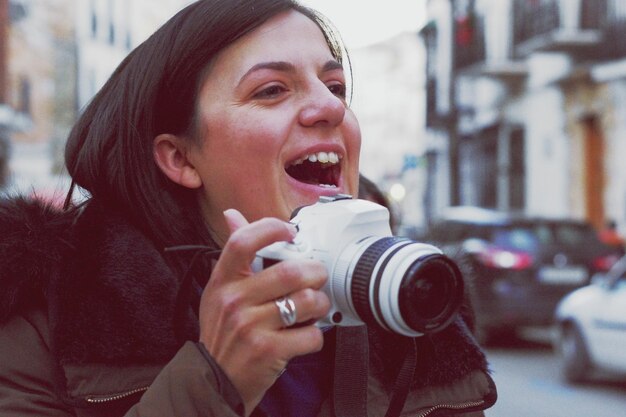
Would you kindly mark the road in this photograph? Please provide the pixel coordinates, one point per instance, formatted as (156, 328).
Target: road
(529, 384)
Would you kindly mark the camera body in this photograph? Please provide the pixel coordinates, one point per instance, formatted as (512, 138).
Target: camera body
(374, 278)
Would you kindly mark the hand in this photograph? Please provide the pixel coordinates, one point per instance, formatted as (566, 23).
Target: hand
(239, 322)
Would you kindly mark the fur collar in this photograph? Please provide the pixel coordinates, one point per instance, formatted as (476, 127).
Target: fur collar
(33, 241)
(110, 295)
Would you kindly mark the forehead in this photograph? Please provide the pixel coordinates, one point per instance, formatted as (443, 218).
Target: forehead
(288, 36)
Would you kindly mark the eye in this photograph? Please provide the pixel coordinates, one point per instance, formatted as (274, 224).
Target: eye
(269, 92)
(338, 89)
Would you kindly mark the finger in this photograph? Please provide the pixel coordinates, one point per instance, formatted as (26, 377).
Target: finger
(283, 278)
(243, 244)
(251, 301)
(234, 219)
(298, 341)
(264, 354)
(283, 345)
(309, 306)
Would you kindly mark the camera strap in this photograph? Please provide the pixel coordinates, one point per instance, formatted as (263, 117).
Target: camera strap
(351, 371)
(402, 386)
(351, 368)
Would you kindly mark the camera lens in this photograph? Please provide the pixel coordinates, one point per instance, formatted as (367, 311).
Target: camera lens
(404, 286)
(429, 293)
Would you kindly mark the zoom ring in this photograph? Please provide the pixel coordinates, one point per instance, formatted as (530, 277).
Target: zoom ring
(362, 277)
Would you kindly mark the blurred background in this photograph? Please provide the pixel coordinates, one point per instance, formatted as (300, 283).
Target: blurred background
(513, 107)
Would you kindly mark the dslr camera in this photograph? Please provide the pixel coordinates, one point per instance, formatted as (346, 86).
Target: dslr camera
(374, 278)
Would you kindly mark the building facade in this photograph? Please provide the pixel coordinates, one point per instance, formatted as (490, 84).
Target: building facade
(58, 54)
(389, 103)
(527, 94)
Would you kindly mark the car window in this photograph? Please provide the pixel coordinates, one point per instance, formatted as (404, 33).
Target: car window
(562, 234)
(620, 284)
(544, 234)
(448, 231)
(516, 238)
(573, 234)
(618, 270)
(479, 232)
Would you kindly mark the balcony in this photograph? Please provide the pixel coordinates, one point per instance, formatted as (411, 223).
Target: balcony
(570, 26)
(432, 117)
(485, 49)
(613, 46)
(469, 41)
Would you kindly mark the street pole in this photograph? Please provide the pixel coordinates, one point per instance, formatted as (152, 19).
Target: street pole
(4, 137)
(452, 123)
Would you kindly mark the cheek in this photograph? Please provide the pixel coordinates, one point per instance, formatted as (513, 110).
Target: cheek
(240, 162)
(353, 132)
(353, 178)
(353, 143)
(236, 141)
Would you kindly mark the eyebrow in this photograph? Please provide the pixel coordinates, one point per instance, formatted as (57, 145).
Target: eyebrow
(283, 66)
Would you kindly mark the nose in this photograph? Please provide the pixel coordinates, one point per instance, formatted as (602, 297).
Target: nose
(322, 107)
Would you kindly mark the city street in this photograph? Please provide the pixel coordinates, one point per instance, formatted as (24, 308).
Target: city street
(492, 129)
(529, 385)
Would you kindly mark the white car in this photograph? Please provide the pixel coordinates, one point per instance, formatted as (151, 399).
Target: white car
(591, 324)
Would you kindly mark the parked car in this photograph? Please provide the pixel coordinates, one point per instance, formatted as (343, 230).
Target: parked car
(591, 324)
(519, 267)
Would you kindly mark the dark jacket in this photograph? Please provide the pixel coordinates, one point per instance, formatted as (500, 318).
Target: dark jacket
(91, 324)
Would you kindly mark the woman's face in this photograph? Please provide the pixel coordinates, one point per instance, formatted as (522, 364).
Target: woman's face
(276, 130)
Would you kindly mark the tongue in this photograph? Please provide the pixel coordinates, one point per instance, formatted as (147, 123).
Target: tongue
(313, 173)
(327, 176)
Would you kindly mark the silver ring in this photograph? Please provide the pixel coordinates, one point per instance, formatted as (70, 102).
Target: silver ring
(287, 310)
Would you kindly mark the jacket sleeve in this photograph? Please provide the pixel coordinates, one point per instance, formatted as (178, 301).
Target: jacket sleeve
(27, 372)
(190, 385)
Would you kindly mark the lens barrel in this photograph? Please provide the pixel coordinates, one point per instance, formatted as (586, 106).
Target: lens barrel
(431, 293)
(405, 286)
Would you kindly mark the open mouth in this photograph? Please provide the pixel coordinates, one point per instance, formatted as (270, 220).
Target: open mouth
(321, 168)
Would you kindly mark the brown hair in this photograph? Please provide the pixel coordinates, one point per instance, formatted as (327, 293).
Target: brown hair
(109, 152)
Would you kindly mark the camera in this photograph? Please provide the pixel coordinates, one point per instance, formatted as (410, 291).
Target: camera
(374, 278)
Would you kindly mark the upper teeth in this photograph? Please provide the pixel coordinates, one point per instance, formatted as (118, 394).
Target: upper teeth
(323, 157)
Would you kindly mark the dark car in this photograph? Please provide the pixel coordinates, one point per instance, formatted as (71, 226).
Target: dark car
(519, 266)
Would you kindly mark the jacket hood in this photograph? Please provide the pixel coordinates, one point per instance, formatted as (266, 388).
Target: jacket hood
(33, 240)
(110, 296)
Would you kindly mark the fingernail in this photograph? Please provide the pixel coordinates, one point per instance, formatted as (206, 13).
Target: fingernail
(293, 229)
(230, 213)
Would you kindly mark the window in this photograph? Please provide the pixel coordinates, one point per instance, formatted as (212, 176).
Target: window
(517, 238)
(111, 22)
(112, 33)
(517, 174)
(24, 96)
(94, 21)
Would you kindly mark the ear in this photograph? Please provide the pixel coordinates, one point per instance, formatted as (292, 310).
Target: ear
(170, 155)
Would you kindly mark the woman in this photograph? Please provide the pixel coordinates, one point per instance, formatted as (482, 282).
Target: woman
(143, 301)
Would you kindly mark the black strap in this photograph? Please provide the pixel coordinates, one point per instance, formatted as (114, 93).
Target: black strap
(404, 379)
(351, 367)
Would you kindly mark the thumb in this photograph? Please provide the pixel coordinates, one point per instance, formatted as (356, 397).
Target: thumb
(234, 220)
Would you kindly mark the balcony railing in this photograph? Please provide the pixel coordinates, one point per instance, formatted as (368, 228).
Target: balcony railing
(432, 117)
(588, 30)
(572, 26)
(473, 55)
(594, 14)
(534, 19)
(469, 42)
(613, 44)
